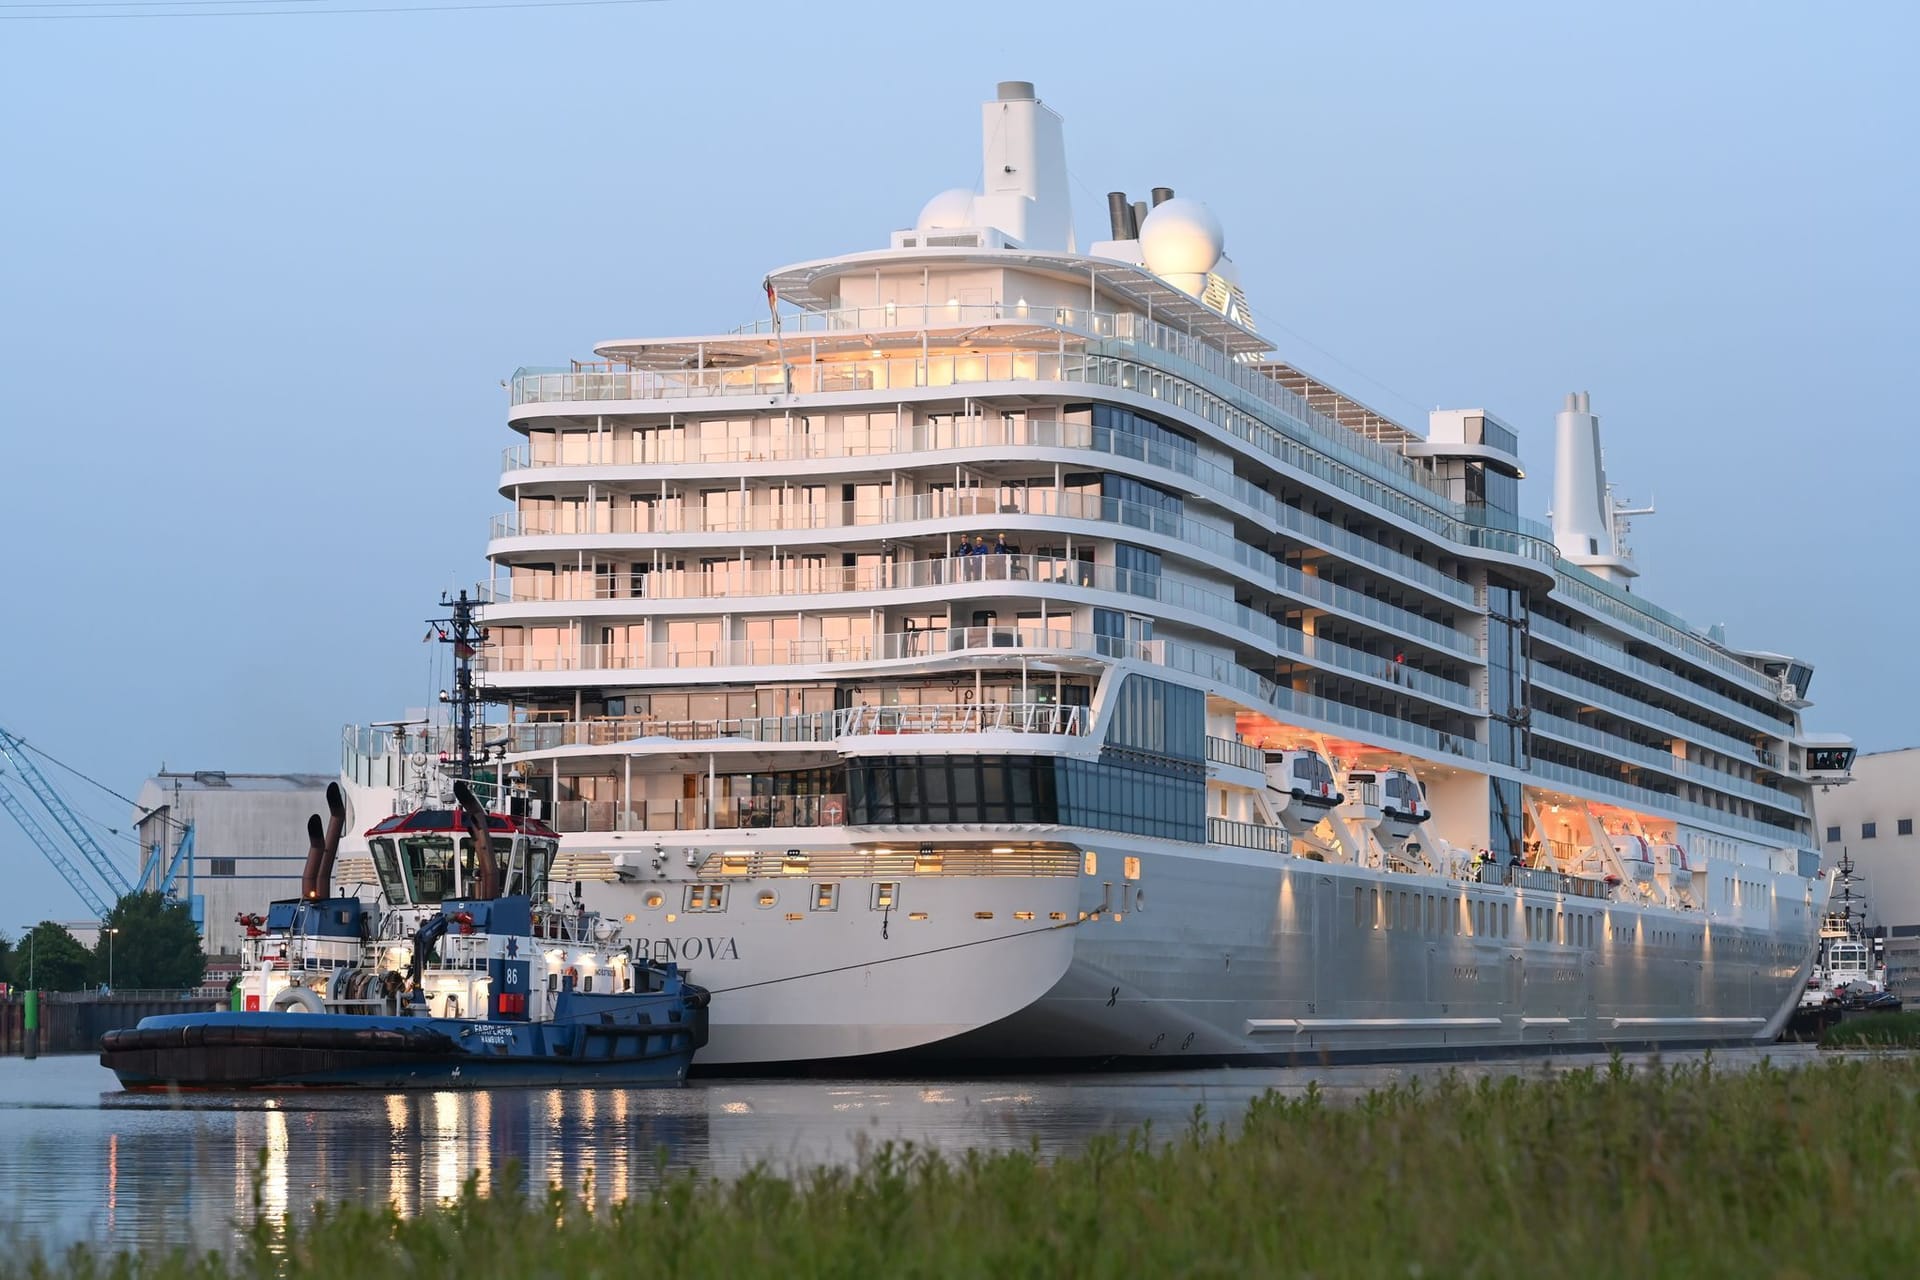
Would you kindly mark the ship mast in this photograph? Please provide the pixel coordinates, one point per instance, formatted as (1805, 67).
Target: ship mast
(464, 633)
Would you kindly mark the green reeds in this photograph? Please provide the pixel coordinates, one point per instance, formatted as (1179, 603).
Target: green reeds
(1612, 1172)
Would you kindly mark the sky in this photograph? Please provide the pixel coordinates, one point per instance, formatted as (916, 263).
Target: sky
(261, 277)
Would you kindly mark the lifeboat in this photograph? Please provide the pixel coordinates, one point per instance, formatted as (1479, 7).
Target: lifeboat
(1636, 856)
(1301, 788)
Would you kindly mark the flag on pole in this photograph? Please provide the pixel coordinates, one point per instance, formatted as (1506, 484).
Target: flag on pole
(773, 303)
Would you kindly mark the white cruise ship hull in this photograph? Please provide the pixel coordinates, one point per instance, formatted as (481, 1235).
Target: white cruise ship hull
(1218, 955)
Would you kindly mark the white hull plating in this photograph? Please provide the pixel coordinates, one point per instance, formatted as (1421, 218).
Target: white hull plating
(1220, 955)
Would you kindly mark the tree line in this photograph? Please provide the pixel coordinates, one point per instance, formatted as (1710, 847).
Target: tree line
(153, 945)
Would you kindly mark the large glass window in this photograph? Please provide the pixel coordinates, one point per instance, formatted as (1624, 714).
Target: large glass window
(1508, 687)
(1506, 825)
(1164, 719)
(1135, 434)
(1137, 569)
(1111, 794)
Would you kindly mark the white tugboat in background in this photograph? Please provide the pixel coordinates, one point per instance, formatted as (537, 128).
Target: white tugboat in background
(1849, 975)
(1001, 653)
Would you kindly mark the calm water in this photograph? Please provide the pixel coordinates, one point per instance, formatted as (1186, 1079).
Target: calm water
(80, 1161)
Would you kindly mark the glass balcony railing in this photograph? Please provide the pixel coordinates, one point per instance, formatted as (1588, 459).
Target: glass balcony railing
(1658, 624)
(1570, 731)
(1219, 668)
(1231, 395)
(725, 813)
(1208, 478)
(812, 727)
(1254, 565)
(1660, 802)
(1256, 630)
(1645, 713)
(1622, 661)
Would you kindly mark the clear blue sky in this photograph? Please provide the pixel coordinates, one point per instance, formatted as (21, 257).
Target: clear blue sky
(260, 278)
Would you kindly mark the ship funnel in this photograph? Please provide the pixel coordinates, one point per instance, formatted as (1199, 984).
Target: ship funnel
(1024, 170)
(1120, 216)
(316, 854)
(1586, 523)
(1161, 195)
(330, 848)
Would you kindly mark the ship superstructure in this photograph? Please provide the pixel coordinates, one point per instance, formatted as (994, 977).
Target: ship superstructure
(1000, 651)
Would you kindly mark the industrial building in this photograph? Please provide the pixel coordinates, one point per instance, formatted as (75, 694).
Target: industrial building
(248, 843)
(1872, 820)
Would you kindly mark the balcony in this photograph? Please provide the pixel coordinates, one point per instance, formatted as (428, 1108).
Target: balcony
(731, 583)
(738, 813)
(1620, 660)
(1570, 731)
(1660, 802)
(1232, 751)
(1248, 835)
(1254, 565)
(995, 433)
(814, 727)
(1646, 713)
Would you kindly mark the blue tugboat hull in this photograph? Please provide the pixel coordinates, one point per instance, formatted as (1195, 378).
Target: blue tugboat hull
(593, 1040)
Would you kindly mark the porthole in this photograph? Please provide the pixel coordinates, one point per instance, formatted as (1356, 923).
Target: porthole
(766, 899)
(654, 899)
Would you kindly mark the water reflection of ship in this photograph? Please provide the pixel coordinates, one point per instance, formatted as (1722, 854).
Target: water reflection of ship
(197, 1174)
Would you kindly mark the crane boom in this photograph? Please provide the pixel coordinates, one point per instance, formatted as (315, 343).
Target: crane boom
(61, 862)
(14, 749)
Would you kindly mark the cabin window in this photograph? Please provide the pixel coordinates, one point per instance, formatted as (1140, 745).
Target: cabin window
(885, 895)
(426, 862)
(824, 896)
(387, 867)
(706, 897)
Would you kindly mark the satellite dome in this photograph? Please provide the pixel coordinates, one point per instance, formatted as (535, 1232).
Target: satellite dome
(1180, 238)
(951, 208)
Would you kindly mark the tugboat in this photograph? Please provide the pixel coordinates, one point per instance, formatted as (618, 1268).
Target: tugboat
(1845, 982)
(468, 977)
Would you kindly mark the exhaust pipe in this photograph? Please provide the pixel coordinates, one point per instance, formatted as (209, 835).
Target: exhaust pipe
(336, 822)
(316, 854)
(1161, 195)
(1120, 214)
(479, 829)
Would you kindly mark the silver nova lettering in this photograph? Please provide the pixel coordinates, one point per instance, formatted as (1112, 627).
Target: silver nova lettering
(689, 947)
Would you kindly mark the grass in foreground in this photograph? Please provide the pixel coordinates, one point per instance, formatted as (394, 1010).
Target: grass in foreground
(1874, 1031)
(1612, 1172)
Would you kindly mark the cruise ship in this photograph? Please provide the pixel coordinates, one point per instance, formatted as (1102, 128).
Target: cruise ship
(996, 652)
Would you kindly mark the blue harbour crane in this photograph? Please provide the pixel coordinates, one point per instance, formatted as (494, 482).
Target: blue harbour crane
(93, 875)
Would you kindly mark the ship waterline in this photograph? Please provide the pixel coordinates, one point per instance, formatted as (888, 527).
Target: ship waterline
(1002, 654)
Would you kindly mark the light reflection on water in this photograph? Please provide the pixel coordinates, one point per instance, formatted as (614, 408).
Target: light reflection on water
(80, 1161)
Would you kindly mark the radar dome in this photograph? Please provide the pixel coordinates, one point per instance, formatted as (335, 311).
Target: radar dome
(949, 209)
(1181, 238)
